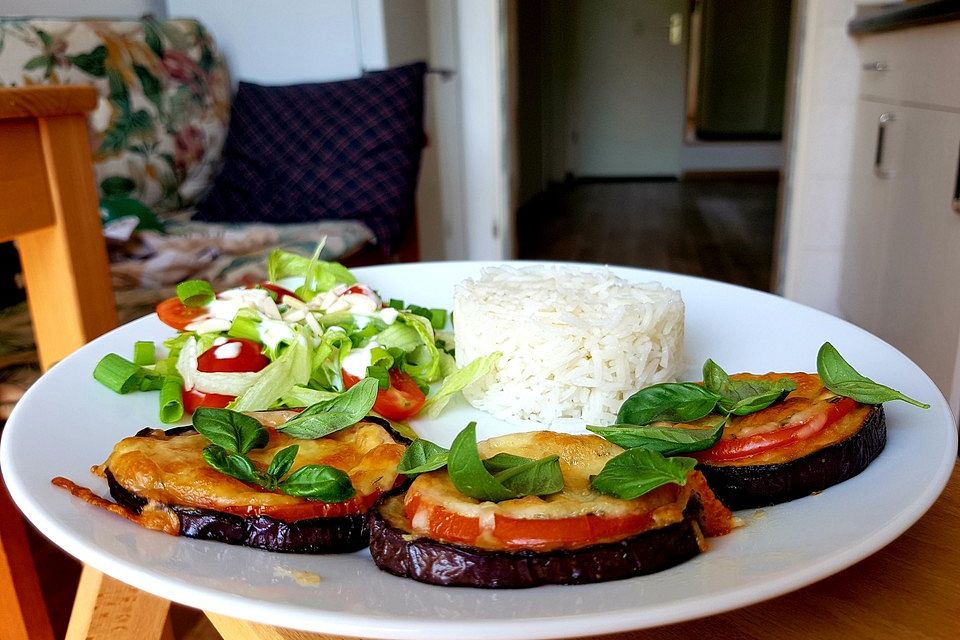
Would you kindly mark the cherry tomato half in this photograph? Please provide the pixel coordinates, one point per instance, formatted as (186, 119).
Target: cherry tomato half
(277, 291)
(177, 315)
(248, 357)
(401, 400)
(193, 399)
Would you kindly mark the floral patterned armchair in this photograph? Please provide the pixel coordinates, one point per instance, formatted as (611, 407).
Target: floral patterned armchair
(157, 134)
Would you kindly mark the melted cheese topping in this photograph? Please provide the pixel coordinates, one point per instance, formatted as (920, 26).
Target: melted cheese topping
(580, 457)
(171, 469)
(809, 396)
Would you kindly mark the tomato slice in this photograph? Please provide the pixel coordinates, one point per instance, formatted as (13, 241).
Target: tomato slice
(194, 399)
(309, 509)
(526, 533)
(277, 291)
(221, 359)
(177, 315)
(401, 400)
(811, 424)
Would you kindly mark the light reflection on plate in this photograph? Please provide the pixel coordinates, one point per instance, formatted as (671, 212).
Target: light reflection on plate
(67, 422)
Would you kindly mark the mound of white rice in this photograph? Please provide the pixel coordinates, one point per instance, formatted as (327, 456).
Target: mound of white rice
(576, 342)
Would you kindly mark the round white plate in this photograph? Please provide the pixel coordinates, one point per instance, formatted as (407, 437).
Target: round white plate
(68, 422)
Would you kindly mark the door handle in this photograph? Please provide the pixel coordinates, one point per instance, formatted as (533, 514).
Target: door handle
(878, 166)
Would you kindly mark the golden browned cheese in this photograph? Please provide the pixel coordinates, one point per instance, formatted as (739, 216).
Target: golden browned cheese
(581, 456)
(171, 469)
(809, 396)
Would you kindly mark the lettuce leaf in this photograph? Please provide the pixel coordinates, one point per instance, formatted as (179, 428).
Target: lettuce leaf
(423, 362)
(319, 275)
(457, 381)
(291, 368)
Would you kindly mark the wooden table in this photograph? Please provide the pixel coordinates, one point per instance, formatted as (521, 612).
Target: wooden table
(909, 589)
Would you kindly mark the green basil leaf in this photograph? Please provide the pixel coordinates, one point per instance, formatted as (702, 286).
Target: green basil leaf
(742, 397)
(234, 431)
(638, 471)
(841, 378)
(422, 456)
(282, 462)
(467, 472)
(668, 402)
(504, 461)
(234, 465)
(328, 416)
(318, 482)
(666, 440)
(533, 477)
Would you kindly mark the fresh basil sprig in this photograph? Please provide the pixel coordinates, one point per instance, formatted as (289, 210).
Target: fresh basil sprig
(514, 476)
(234, 431)
(668, 441)
(742, 397)
(668, 402)
(235, 434)
(340, 412)
(422, 456)
(638, 471)
(841, 378)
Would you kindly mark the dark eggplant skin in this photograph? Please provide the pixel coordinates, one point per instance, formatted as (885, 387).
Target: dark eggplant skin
(316, 535)
(748, 487)
(425, 560)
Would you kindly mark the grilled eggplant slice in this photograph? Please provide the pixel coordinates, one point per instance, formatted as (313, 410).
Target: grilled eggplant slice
(667, 525)
(161, 481)
(850, 440)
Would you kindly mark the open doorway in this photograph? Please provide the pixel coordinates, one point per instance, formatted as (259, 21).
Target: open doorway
(649, 133)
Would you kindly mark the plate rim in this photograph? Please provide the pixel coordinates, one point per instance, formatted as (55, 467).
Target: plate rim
(346, 623)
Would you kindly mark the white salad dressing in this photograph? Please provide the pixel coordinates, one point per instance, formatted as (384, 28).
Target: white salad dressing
(359, 359)
(227, 350)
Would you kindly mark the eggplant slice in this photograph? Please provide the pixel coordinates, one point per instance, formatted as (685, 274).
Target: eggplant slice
(315, 535)
(764, 485)
(396, 551)
(147, 479)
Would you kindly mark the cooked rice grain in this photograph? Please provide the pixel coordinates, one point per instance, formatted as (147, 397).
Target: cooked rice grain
(576, 342)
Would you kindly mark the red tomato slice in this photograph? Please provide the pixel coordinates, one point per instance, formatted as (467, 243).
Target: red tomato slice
(310, 509)
(746, 446)
(248, 359)
(174, 313)
(401, 400)
(194, 399)
(527, 533)
(277, 290)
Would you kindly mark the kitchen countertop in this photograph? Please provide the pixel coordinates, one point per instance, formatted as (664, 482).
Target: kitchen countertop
(902, 15)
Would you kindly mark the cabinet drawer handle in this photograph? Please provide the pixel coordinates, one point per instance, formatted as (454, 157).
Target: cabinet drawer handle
(956, 191)
(876, 65)
(878, 169)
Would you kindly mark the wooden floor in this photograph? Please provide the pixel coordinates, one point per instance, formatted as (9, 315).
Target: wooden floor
(721, 230)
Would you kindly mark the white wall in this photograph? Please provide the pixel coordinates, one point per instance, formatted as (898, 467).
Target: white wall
(82, 8)
(820, 147)
(281, 42)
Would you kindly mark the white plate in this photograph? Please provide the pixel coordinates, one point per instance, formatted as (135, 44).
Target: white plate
(68, 422)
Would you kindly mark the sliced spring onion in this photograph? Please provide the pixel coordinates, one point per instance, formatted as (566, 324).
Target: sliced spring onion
(167, 366)
(395, 304)
(151, 381)
(144, 352)
(195, 293)
(118, 374)
(438, 318)
(171, 401)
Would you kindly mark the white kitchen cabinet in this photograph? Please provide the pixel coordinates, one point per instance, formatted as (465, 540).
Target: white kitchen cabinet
(902, 257)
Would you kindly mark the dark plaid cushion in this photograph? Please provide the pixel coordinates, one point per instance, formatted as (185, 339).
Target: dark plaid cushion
(332, 150)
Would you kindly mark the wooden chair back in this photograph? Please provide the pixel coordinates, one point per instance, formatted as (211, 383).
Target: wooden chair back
(48, 205)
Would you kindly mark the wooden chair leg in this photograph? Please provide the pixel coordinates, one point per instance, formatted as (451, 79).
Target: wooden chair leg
(109, 609)
(23, 613)
(234, 629)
